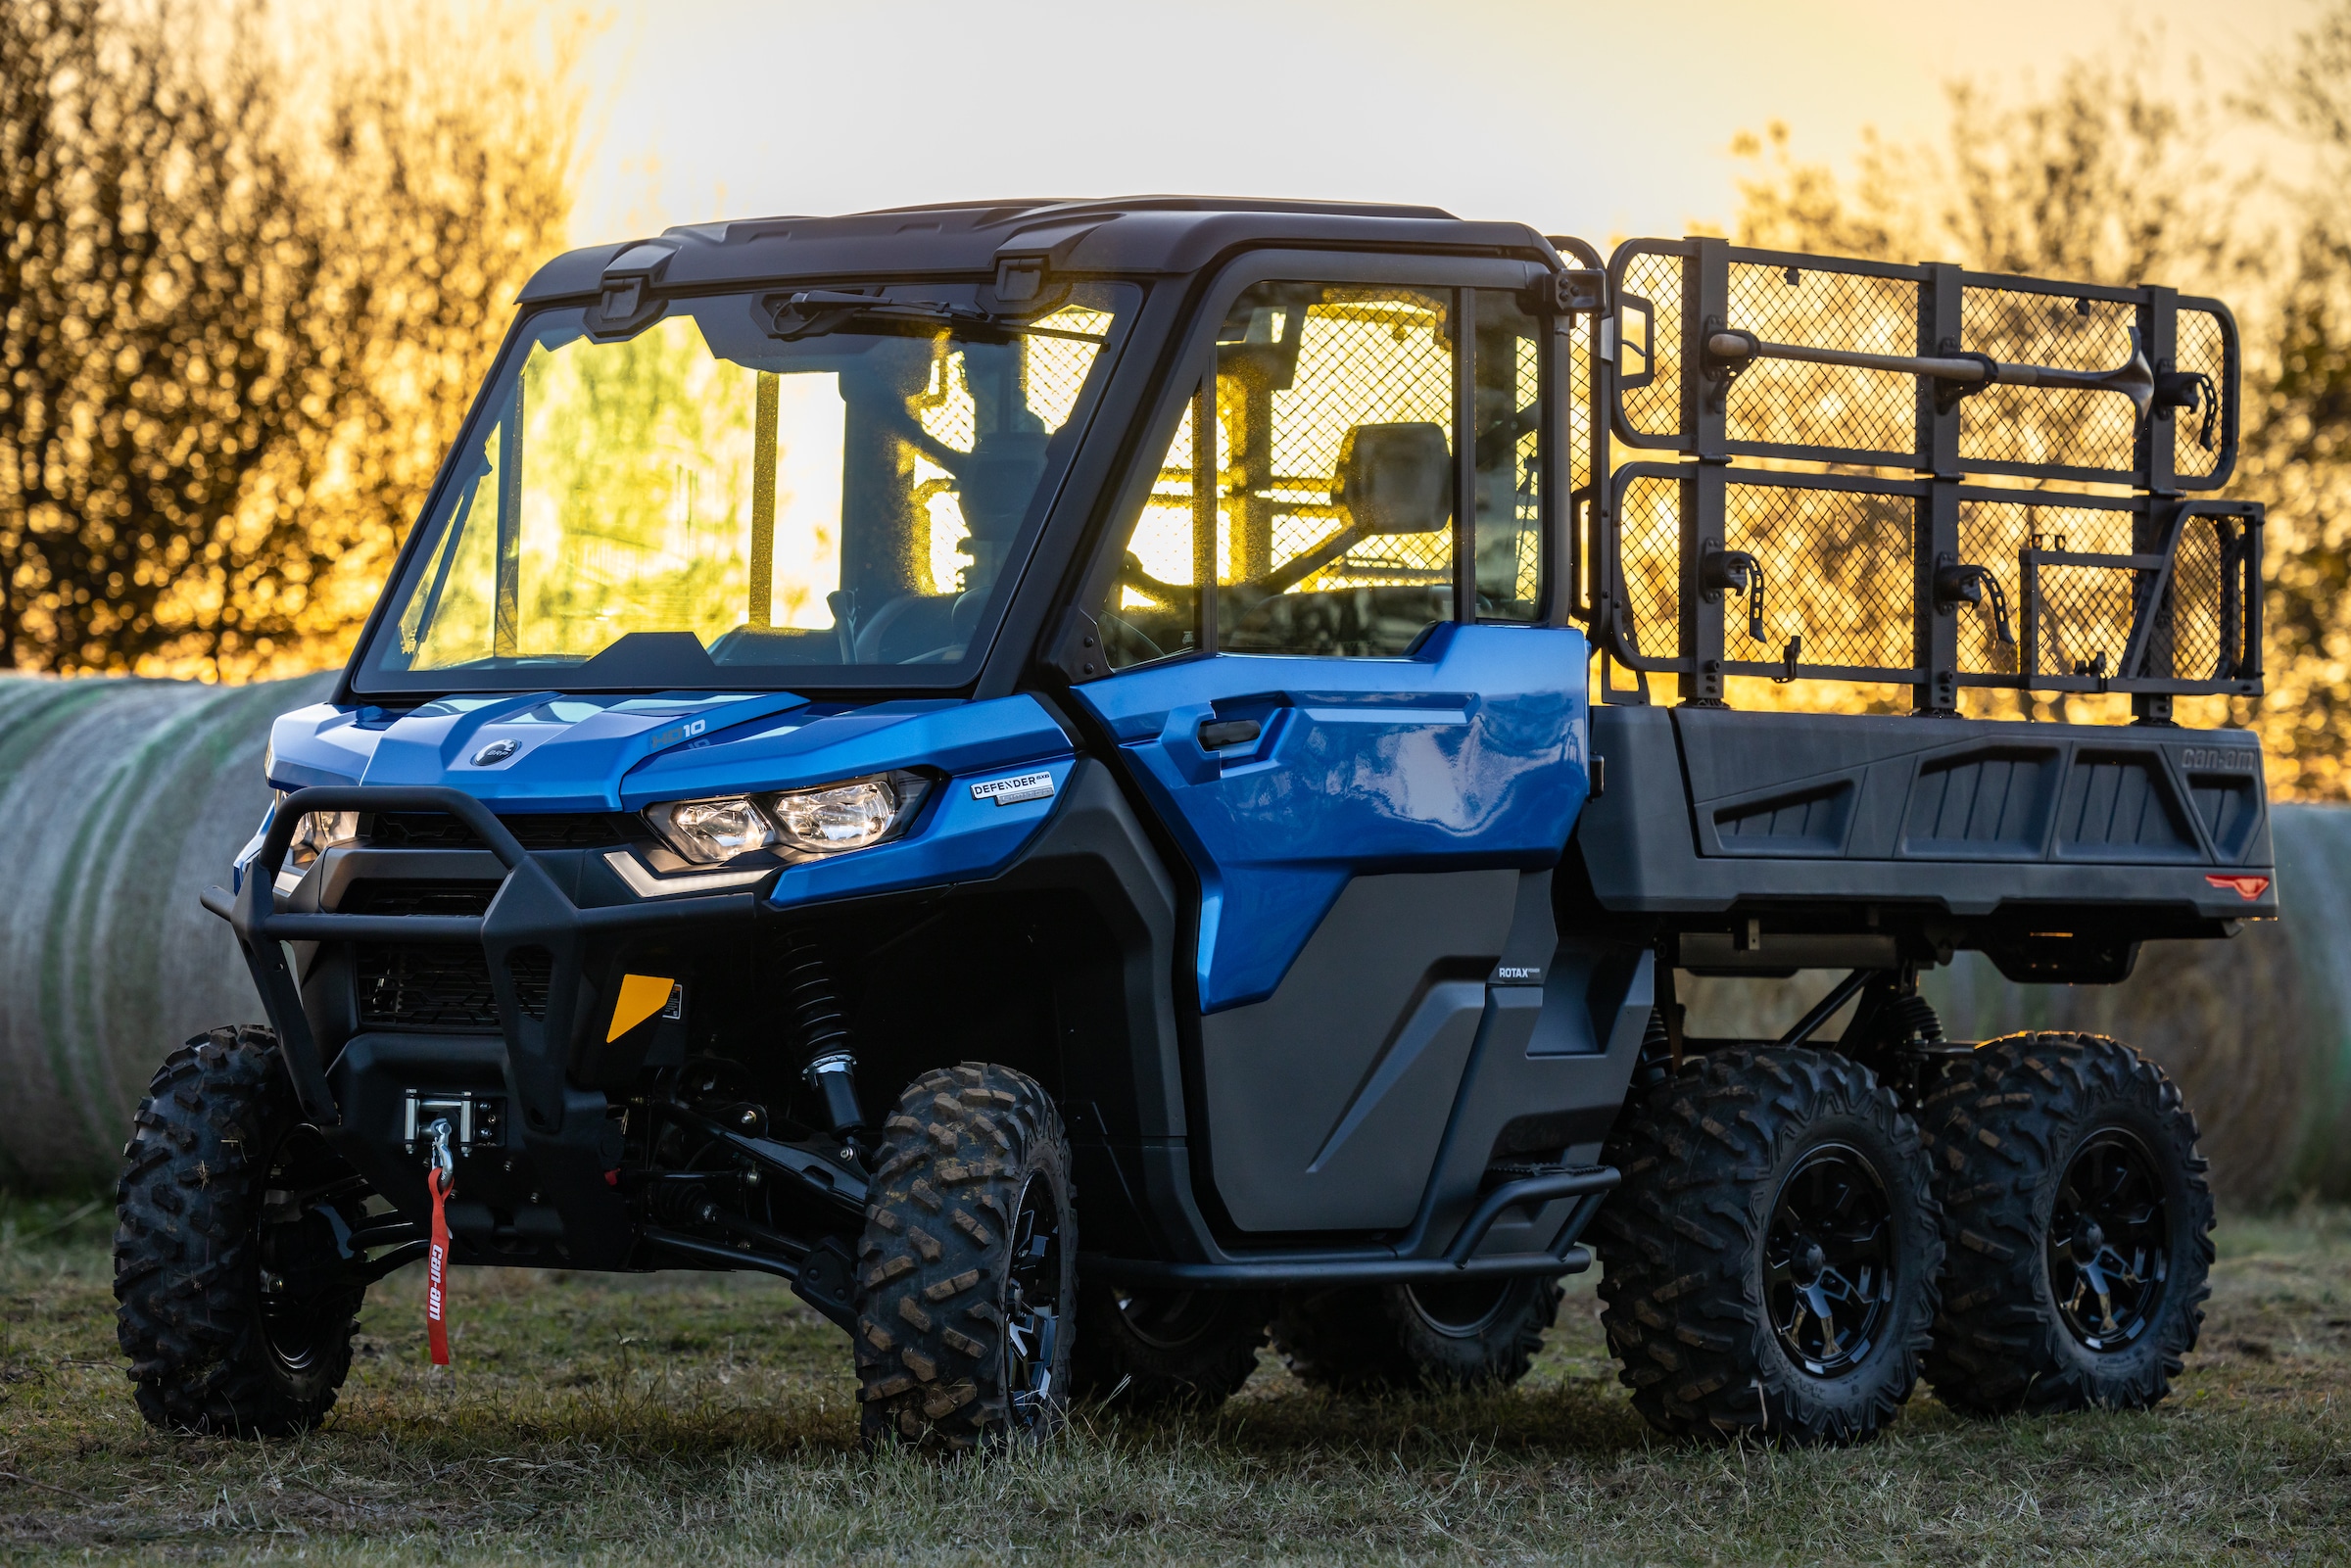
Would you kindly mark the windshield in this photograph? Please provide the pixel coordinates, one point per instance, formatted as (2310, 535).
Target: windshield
(743, 492)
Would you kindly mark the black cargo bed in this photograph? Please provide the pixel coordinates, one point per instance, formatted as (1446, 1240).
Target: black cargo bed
(1841, 833)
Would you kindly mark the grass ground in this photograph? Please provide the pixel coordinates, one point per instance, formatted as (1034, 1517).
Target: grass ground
(709, 1419)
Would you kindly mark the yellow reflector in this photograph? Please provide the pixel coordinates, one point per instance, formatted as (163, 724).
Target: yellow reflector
(641, 997)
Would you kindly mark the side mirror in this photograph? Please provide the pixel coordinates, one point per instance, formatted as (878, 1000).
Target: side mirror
(1395, 479)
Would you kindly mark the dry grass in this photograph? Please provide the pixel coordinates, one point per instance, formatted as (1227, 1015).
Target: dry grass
(708, 1419)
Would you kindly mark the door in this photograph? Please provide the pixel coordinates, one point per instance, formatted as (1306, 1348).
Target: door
(1353, 710)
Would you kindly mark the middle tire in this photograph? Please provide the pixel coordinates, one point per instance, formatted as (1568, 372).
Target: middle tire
(1771, 1254)
(1478, 1332)
(1149, 1350)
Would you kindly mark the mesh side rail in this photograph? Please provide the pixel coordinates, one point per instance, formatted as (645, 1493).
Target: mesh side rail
(1673, 392)
(2113, 594)
(2073, 593)
(1836, 560)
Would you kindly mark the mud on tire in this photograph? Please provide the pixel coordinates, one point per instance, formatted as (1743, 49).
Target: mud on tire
(1148, 1349)
(1772, 1252)
(2065, 1162)
(234, 1322)
(968, 1266)
(1477, 1333)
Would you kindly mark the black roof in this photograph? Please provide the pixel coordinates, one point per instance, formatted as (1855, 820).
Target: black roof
(1128, 234)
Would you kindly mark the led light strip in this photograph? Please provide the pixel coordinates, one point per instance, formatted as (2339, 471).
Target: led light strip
(644, 884)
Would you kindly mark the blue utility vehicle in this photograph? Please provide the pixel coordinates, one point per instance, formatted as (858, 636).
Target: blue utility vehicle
(1088, 781)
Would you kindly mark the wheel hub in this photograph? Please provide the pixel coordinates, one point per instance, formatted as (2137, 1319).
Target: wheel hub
(303, 1254)
(1033, 1307)
(2109, 1242)
(1828, 1261)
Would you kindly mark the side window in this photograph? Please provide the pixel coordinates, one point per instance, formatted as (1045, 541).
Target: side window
(1325, 509)
(1335, 406)
(1507, 420)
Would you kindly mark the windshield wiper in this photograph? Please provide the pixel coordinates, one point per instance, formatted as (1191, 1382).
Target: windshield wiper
(812, 313)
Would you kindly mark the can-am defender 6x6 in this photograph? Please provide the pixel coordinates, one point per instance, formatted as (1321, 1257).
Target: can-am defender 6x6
(1083, 781)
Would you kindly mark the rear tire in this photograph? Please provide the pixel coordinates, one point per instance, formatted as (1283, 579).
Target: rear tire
(2065, 1162)
(968, 1266)
(236, 1320)
(1771, 1254)
(1154, 1350)
(1478, 1333)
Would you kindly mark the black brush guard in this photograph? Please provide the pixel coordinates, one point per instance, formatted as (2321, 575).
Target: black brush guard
(560, 1122)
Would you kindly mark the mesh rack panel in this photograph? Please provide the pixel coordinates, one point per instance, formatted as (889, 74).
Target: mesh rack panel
(2085, 593)
(1780, 403)
(1678, 395)
(1836, 578)
(1791, 377)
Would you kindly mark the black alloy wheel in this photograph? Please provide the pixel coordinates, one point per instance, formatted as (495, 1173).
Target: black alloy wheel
(233, 1265)
(1462, 1309)
(1770, 1258)
(1828, 1261)
(2078, 1226)
(1141, 1350)
(1033, 1312)
(304, 1262)
(2106, 1243)
(967, 1265)
(1166, 1320)
(1472, 1333)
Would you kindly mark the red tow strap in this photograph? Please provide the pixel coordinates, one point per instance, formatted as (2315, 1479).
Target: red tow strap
(436, 1293)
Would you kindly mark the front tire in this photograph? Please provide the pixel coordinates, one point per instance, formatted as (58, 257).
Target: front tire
(1771, 1254)
(1476, 1333)
(2078, 1226)
(968, 1266)
(231, 1264)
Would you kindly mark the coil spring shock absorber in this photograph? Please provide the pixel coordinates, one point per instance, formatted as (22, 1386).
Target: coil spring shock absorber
(828, 1064)
(1914, 1020)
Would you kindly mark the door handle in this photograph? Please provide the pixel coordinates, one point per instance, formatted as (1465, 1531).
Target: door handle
(1217, 733)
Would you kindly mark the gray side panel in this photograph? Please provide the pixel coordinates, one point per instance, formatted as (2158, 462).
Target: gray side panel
(1326, 1101)
(1543, 1077)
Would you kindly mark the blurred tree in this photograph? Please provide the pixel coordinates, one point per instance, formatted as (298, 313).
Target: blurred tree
(2107, 178)
(241, 308)
(2298, 436)
(2104, 177)
(150, 276)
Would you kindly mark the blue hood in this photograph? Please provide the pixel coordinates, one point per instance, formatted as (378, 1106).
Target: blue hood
(610, 753)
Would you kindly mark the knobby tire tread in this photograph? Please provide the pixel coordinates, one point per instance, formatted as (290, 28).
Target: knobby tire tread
(185, 1239)
(2000, 1130)
(935, 1252)
(1680, 1242)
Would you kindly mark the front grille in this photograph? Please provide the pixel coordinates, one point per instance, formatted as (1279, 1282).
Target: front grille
(539, 830)
(424, 986)
(376, 895)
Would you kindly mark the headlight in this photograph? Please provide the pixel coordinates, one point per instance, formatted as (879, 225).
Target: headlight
(837, 817)
(711, 831)
(317, 832)
(798, 824)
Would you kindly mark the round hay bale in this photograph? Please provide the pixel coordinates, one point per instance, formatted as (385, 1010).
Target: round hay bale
(121, 800)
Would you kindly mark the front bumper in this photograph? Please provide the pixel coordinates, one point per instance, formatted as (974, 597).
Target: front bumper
(577, 950)
(552, 965)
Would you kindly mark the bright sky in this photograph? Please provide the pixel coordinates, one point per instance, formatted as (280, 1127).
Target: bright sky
(1595, 118)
